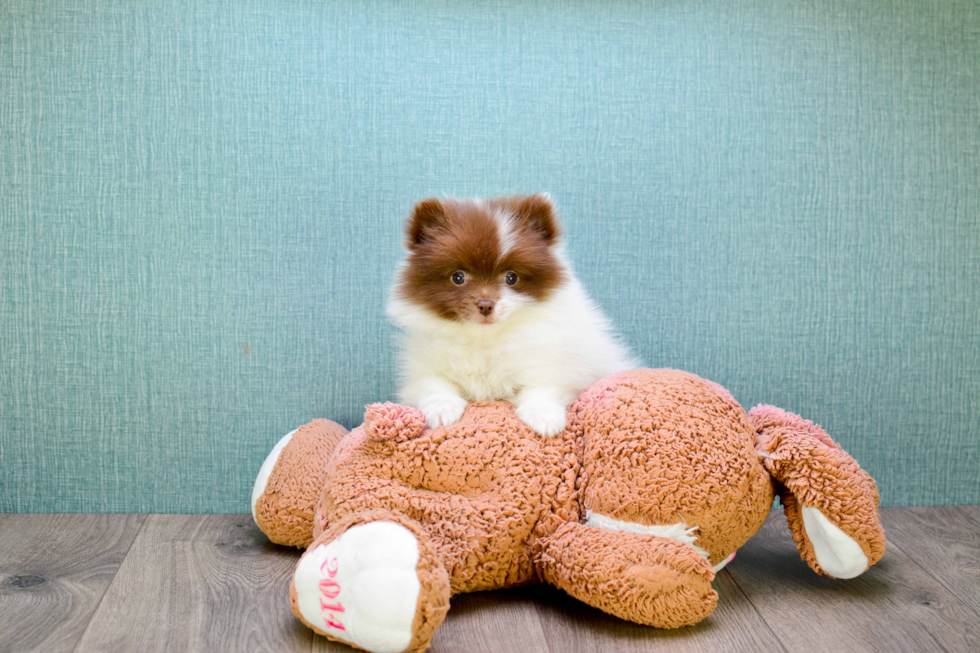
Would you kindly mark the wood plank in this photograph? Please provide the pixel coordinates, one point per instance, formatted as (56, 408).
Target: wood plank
(490, 622)
(54, 570)
(971, 511)
(321, 644)
(214, 583)
(482, 622)
(943, 540)
(894, 606)
(199, 583)
(573, 627)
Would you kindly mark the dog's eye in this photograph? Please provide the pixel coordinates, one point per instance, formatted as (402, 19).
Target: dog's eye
(459, 278)
(510, 278)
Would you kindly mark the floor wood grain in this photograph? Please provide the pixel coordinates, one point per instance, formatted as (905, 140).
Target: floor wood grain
(199, 583)
(483, 622)
(489, 622)
(573, 627)
(54, 571)
(213, 583)
(895, 606)
(944, 541)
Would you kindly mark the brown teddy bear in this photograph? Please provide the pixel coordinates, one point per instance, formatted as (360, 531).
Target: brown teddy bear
(656, 481)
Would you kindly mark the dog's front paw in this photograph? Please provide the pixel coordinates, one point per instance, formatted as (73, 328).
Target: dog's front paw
(544, 415)
(442, 410)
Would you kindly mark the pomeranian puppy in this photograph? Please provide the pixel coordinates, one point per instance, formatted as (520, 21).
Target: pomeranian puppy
(491, 311)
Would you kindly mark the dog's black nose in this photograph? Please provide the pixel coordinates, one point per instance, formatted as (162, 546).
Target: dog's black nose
(485, 306)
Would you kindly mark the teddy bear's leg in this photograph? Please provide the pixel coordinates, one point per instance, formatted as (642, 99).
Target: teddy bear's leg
(640, 577)
(831, 504)
(372, 580)
(289, 482)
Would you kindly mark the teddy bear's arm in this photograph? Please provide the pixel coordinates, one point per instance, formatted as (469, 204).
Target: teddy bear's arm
(643, 578)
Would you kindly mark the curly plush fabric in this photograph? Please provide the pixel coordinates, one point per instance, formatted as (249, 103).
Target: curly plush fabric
(812, 470)
(647, 579)
(658, 477)
(690, 449)
(483, 489)
(285, 510)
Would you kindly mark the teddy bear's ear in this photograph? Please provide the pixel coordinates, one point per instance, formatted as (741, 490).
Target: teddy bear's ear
(831, 504)
(390, 421)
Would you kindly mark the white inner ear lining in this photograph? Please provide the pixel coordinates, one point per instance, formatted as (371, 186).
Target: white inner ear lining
(838, 554)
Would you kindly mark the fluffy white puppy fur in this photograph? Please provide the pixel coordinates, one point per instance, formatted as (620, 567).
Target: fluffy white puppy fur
(539, 348)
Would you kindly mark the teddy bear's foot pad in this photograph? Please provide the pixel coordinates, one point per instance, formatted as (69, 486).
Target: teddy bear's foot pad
(362, 587)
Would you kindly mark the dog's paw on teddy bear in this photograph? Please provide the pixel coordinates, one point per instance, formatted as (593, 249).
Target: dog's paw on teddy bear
(655, 481)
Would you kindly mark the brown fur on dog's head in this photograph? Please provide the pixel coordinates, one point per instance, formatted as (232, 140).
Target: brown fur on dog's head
(485, 240)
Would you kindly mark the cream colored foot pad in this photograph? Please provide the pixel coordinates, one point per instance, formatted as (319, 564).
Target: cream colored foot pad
(363, 586)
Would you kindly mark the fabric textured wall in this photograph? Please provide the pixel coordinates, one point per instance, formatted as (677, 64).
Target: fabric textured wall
(200, 206)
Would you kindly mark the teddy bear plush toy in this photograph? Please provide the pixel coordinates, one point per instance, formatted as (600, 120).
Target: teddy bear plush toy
(656, 481)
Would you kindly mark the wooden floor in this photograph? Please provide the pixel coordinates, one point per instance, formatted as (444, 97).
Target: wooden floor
(213, 583)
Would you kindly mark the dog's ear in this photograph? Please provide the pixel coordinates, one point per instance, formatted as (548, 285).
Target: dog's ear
(537, 213)
(427, 215)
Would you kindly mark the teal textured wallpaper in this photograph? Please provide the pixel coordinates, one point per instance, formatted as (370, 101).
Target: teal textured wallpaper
(200, 205)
